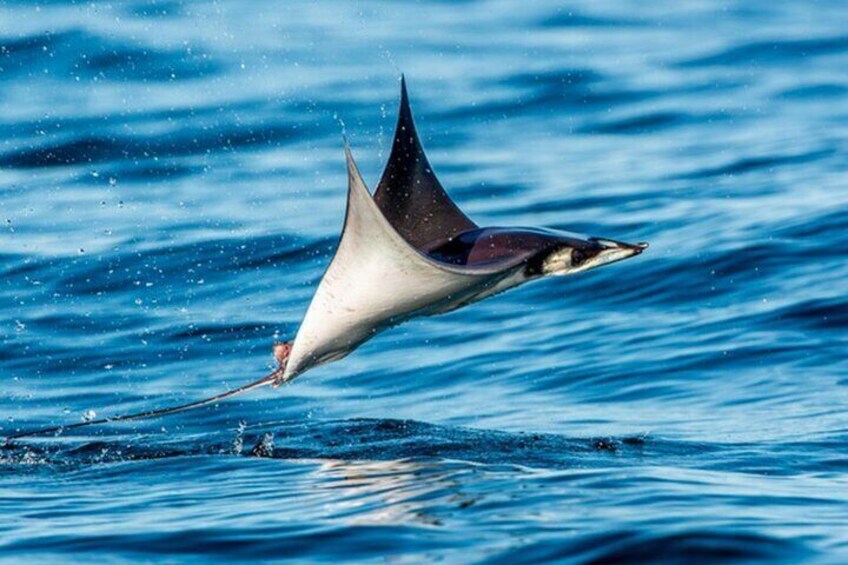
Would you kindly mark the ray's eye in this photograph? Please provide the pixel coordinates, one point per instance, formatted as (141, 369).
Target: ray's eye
(577, 257)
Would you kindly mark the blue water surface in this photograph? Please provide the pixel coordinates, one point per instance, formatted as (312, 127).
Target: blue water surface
(172, 185)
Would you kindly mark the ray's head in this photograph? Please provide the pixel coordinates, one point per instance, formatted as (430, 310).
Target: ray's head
(537, 252)
(568, 254)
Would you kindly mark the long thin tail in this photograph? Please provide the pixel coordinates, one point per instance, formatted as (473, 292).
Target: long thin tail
(281, 351)
(266, 380)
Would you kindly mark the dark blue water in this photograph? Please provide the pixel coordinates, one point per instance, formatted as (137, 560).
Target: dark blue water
(172, 185)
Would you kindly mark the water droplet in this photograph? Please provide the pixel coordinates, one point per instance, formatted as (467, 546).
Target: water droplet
(238, 441)
(89, 415)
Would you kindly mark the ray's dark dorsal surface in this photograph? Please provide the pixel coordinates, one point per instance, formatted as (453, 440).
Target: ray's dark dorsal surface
(405, 252)
(409, 194)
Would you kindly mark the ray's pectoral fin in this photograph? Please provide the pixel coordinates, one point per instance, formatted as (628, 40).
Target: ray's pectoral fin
(375, 278)
(409, 195)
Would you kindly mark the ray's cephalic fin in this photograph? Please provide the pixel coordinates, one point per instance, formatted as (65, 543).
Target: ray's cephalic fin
(275, 378)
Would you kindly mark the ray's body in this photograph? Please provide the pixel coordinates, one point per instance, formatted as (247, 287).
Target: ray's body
(408, 251)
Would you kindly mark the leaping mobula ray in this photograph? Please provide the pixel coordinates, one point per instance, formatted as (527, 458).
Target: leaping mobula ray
(409, 251)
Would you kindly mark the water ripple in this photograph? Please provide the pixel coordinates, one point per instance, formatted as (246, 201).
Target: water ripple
(172, 186)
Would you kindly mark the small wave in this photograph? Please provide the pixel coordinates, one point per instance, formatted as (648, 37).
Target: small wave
(567, 18)
(648, 123)
(815, 92)
(554, 78)
(572, 89)
(831, 226)
(98, 149)
(688, 546)
(157, 9)
(776, 51)
(142, 172)
(819, 314)
(751, 164)
(78, 52)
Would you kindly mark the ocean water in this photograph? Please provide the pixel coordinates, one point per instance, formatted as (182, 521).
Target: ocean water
(172, 185)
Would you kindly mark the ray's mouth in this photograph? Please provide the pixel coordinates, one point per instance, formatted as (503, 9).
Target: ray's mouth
(640, 247)
(612, 245)
(615, 251)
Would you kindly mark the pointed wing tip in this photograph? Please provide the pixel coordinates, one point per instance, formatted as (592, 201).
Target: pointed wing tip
(353, 174)
(404, 97)
(351, 164)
